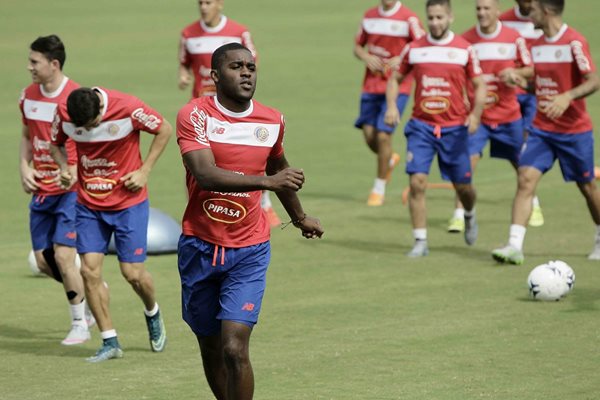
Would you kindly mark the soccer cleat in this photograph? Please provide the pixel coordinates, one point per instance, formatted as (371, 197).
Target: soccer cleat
(110, 349)
(537, 217)
(471, 230)
(508, 254)
(595, 255)
(456, 225)
(375, 199)
(272, 217)
(420, 249)
(156, 332)
(394, 161)
(77, 335)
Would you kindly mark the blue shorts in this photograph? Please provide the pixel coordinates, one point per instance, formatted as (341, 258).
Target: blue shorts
(451, 148)
(575, 153)
(528, 105)
(130, 227)
(506, 140)
(52, 220)
(373, 108)
(221, 284)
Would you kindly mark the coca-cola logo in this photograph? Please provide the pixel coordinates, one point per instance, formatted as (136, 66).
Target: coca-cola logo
(98, 187)
(150, 121)
(224, 210)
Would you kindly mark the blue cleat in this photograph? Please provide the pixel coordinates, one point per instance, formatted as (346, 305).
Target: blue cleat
(156, 332)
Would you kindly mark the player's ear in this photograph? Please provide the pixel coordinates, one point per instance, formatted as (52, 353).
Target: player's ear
(214, 75)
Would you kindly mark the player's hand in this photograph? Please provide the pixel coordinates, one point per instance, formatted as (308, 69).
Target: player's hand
(66, 179)
(184, 80)
(135, 180)
(374, 63)
(512, 78)
(557, 105)
(288, 178)
(29, 178)
(392, 116)
(311, 227)
(472, 123)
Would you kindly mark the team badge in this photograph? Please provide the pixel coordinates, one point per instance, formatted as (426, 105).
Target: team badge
(452, 55)
(558, 54)
(261, 134)
(502, 50)
(113, 129)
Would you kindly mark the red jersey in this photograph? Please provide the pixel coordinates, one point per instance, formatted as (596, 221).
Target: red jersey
(560, 64)
(109, 151)
(385, 33)
(441, 69)
(199, 41)
(37, 111)
(241, 143)
(514, 19)
(497, 51)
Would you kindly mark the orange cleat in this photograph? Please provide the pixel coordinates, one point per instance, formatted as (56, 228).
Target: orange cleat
(394, 161)
(375, 199)
(272, 217)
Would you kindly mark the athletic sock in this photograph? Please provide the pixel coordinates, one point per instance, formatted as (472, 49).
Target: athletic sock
(517, 236)
(470, 213)
(459, 213)
(78, 312)
(420, 234)
(379, 186)
(106, 335)
(535, 202)
(151, 313)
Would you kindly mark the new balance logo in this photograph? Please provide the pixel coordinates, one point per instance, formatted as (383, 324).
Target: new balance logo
(139, 251)
(248, 307)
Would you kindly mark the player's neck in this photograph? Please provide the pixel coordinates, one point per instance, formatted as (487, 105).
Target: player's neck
(53, 83)
(553, 27)
(215, 21)
(490, 29)
(232, 105)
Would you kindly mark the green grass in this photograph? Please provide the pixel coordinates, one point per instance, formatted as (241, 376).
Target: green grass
(347, 317)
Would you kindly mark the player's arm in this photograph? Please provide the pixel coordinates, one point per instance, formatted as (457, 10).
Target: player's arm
(373, 63)
(201, 163)
(558, 104)
(311, 227)
(185, 73)
(28, 174)
(392, 114)
(67, 176)
(136, 180)
(479, 95)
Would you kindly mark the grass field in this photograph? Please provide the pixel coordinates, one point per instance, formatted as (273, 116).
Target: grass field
(348, 317)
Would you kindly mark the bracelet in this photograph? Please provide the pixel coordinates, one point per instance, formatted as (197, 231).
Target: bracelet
(294, 222)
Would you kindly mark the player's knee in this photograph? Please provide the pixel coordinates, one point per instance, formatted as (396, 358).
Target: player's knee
(90, 274)
(235, 352)
(418, 184)
(132, 273)
(65, 257)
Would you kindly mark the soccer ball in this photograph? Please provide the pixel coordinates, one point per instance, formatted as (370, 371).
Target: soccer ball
(567, 272)
(546, 282)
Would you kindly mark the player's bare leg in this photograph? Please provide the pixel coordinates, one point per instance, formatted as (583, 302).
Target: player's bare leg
(456, 224)
(213, 362)
(418, 214)
(235, 339)
(96, 293)
(370, 136)
(592, 197)
(384, 154)
(467, 196)
(141, 282)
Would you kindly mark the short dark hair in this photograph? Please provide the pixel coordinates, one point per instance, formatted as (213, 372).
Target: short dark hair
(219, 54)
(438, 3)
(51, 47)
(557, 6)
(83, 105)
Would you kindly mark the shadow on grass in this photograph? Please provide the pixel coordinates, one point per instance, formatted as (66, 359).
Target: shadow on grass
(19, 340)
(582, 300)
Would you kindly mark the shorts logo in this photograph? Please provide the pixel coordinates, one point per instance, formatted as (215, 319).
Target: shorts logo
(224, 210)
(409, 156)
(261, 134)
(71, 235)
(138, 252)
(248, 307)
(99, 188)
(435, 105)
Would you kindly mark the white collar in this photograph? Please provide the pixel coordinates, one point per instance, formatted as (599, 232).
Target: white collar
(391, 11)
(58, 90)
(519, 15)
(214, 29)
(492, 35)
(232, 114)
(104, 99)
(558, 35)
(441, 42)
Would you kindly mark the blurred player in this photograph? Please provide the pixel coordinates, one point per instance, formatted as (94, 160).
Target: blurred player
(112, 197)
(442, 64)
(52, 208)
(383, 33)
(228, 142)
(198, 41)
(564, 74)
(518, 18)
(501, 52)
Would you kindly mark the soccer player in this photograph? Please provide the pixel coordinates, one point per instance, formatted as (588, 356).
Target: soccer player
(112, 197)
(383, 32)
(564, 74)
(501, 52)
(442, 64)
(198, 41)
(52, 208)
(518, 18)
(228, 142)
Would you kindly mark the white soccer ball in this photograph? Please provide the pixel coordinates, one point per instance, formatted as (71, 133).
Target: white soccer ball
(567, 272)
(33, 264)
(546, 282)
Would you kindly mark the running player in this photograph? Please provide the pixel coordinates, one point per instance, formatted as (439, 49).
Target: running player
(112, 197)
(228, 142)
(442, 64)
(564, 74)
(52, 208)
(383, 32)
(198, 41)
